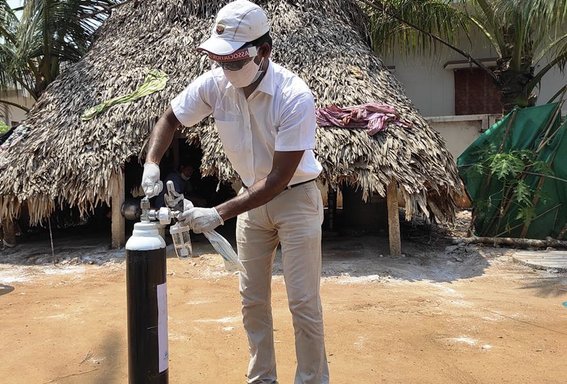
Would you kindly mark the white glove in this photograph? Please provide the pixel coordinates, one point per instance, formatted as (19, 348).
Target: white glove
(187, 205)
(202, 219)
(151, 184)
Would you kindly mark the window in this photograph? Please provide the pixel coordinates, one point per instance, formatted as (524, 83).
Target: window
(475, 93)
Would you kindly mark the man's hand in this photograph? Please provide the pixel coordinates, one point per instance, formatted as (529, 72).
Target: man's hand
(151, 184)
(202, 219)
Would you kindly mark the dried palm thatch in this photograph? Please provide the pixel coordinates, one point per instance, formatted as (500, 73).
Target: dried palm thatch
(54, 157)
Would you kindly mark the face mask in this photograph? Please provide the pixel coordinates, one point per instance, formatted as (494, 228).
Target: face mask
(249, 73)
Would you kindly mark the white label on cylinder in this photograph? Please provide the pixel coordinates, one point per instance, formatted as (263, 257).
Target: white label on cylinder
(163, 354)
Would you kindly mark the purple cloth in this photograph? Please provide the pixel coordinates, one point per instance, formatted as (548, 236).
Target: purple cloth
(371, 116)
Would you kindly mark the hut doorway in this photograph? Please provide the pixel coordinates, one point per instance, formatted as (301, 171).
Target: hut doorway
(347, 213)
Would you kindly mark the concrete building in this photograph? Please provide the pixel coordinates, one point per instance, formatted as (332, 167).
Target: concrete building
(12, 115)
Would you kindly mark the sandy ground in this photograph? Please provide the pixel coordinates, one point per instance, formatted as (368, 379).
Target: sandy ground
(440, 314)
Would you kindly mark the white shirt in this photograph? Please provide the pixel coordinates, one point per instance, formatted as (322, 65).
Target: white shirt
(278, 116)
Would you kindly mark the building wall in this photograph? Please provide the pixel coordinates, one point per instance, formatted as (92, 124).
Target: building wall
(460, 131)
(10, 114)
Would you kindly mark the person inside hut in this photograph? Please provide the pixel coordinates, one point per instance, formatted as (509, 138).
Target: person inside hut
(9, 230)
(265, 117)
(184, 181)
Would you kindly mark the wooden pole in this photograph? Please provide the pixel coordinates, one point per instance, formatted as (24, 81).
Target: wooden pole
(393, 219)
(332, 204)
(118, 221)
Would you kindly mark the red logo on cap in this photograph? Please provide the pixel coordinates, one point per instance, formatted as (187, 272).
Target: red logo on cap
(220, 29)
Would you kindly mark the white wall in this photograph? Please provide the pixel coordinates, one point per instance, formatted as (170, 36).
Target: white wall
(428, 86)
(460, 131)
(550, 85)
(14, 114)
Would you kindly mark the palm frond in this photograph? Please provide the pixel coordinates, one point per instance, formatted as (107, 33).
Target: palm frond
(486, 18)
(13, 72)
(492, 35)
(543, 19)
(6, 80)
(391, 20)
(8, 22)
(559, 59)
(49, 33)
(544, 36)
(554, 48)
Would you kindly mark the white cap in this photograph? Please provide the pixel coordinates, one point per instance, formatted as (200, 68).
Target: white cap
(237, 23)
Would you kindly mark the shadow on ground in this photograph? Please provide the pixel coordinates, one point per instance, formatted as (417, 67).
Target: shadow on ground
(550, 286)
(5, 289)
(368, 256)
(69, 247)
(427, 254)
(99, 365)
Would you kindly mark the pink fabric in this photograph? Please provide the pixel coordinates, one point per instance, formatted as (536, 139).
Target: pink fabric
(371, 116)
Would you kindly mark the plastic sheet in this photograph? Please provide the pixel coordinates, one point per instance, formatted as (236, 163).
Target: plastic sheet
(223, 247)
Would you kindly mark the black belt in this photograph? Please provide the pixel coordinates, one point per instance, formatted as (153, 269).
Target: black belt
(290, 186)
(303, 182)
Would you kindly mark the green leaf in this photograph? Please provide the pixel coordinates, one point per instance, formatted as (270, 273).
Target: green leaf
(523, 194)
(155, 81)
(476, 169)
(542, 167)
(3, 127)
(525, 155)
(505, 165)
(526, 214)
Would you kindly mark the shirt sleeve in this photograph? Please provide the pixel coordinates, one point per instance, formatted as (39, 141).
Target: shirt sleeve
(193, 104)
(297, 129)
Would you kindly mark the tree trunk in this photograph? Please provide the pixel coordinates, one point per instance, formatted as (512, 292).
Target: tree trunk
(512, 85)
(512, 242)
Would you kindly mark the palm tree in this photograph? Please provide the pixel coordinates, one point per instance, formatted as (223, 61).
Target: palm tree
(47, 34)
(524, 33)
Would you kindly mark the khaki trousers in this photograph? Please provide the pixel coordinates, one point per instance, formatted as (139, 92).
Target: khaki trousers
(293, 218)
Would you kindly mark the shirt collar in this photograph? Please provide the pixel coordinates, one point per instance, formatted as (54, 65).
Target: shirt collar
(267, 83)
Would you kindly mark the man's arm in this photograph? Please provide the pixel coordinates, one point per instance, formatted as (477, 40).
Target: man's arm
(161, 136)
(283, 168)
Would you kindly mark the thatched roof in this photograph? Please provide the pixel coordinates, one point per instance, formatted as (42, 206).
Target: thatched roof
(54, 156)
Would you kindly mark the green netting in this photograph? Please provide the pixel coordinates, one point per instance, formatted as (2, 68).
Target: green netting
(516, 175)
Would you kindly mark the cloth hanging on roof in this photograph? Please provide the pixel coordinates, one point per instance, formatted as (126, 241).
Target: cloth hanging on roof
(155, 81)
(372, 116)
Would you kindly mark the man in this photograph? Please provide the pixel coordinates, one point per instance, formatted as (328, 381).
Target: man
(182, 183)
(265, 116)
(9, 229)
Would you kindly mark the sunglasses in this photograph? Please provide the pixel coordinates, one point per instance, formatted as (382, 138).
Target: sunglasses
(236, 60)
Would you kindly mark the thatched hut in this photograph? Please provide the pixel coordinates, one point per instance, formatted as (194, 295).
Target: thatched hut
(55, 157)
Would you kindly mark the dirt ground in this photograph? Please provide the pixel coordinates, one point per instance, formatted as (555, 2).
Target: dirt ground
(441, 314)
